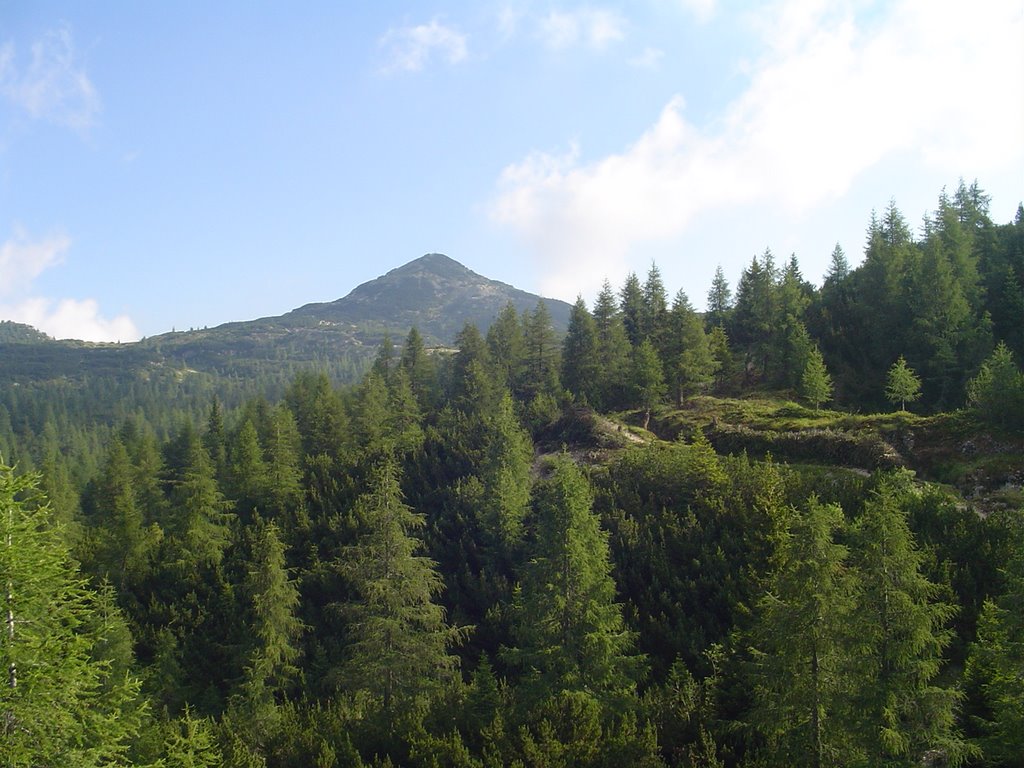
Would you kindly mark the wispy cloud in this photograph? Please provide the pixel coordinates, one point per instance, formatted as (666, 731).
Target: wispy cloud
(409, 49)
(594, 27)
(650, 58)
(53, 86)
(830, 97)
(22, 260)
(702, 9)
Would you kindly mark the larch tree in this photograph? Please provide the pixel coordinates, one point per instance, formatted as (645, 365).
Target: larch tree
(902, 384)
(815, 382)
(801, 685)
(568, 630)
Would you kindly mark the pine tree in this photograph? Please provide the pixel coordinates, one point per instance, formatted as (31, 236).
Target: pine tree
(398, 637)
(541, 356)
(123, 540)
(284, 473)
(689, 361)
(902, 385)
(654, 320)
(839, 266)
(202, 522)
(62, 702)
(247, 470)
(569, 632)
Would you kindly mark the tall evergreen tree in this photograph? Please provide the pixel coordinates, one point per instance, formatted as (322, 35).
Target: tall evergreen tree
(613, 353)
(647, 379)
(631, 305)
(580, 363)
(719, 300)
(507, 346)
(569, 633)
(690, 364)
(541, 358)
(273, 628)
(801, 687)
(420, 369)
(996, 660)
(61, 702)
(201, 518)
(900, 710)
(398, 637)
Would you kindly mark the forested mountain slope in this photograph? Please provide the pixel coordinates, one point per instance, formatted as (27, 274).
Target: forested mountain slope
(655, 539)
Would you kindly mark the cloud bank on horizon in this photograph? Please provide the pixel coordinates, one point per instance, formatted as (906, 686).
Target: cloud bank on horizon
(797, 136)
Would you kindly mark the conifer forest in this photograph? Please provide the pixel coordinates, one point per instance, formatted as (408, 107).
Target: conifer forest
(787, 531)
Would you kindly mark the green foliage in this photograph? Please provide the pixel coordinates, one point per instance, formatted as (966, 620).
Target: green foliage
(815, 383)
(63, 701)
(398, 637)
(997, 393)
(902, 385)
(569, 633)
(997, 658)
(801, 654)
(900, 709)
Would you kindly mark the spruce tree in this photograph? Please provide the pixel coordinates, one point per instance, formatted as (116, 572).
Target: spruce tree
(900, 710)
(719, 300)
(613, 351)
(996, 660)
(62, 702)
(398, 636)
(647, 379)
(580, 364)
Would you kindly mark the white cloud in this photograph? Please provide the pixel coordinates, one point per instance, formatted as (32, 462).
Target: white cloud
(21, 261)
(831, 97)
(71, 319)
(54, 86)
(410, 48)
(593, 27)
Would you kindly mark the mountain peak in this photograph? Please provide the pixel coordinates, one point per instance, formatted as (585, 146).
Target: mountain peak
(435, 293)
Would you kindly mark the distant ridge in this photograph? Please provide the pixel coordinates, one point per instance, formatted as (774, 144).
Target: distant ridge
(434, 293)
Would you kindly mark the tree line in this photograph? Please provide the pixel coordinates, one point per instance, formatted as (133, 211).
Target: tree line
(413, 570)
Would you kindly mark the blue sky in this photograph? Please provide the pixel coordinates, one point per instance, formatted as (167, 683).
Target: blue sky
(187, 164)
